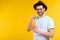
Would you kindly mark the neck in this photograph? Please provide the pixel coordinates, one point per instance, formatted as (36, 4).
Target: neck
(42, 15)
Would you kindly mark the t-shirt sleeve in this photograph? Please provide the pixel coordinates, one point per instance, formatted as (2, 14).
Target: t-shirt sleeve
(50, 23)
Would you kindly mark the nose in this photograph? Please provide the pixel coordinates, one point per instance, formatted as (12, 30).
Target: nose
(40, 10)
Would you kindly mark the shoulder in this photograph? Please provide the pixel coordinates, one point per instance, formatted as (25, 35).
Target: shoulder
(49, 18)
(37, 18)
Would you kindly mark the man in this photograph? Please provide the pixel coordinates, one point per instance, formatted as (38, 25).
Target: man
(44, 29)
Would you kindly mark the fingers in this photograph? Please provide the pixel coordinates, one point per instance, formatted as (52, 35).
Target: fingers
(33, 17)
(35, 30)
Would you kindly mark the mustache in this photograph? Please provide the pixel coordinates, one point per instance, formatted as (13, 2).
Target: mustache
(40, 13)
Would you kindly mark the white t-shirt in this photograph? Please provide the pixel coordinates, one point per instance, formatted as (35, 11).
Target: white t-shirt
(43, 25)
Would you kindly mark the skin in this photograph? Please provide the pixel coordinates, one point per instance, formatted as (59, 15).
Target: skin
(40, 11)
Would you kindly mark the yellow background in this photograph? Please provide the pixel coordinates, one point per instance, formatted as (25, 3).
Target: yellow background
(15, 16)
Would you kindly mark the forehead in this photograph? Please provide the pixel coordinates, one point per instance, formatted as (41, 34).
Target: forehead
(38, 7)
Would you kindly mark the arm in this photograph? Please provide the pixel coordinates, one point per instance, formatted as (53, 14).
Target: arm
(30, 24)
(48, 34)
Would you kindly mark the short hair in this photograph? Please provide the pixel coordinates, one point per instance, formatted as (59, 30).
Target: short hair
(40, 3)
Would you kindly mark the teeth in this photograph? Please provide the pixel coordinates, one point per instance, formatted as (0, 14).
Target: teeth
(40, 13)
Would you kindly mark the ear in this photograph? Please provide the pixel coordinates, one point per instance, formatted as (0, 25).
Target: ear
(44, 9)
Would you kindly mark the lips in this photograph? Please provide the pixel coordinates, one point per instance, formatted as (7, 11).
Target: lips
(40, 13)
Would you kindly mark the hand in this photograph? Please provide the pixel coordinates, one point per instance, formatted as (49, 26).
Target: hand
(33, 17)
(36, 30)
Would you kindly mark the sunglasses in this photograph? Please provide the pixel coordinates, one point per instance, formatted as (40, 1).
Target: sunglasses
(40, 9)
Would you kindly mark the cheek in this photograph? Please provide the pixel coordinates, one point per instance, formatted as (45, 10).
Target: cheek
(39, 10)
(42, 10)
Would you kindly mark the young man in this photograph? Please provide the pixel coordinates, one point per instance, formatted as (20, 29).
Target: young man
(44, 29)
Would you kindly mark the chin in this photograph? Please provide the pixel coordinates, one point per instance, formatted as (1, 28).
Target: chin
(40, 14)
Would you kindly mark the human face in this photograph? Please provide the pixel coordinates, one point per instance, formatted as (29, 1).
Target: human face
(40, 10)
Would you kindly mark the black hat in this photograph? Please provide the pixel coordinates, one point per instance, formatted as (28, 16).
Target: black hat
(40, 3)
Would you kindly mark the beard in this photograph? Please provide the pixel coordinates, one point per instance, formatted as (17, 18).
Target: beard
(40, 13)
